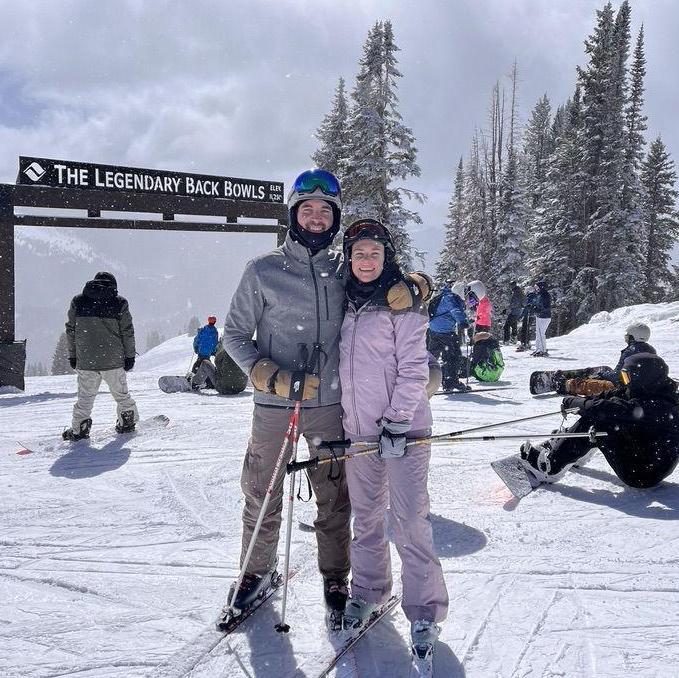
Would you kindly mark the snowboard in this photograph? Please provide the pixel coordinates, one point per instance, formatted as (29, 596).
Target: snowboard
(142, 427)
(174, 384)
(514, 475)
(550, 382)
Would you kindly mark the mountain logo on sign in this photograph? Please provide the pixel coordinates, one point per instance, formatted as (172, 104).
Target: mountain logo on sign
(35, 171)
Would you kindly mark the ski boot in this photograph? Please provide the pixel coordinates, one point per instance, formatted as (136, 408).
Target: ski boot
(356, 613)
(460, 387)
(520, 348)
(83, 431)
(423, 635)
(335, 592)
(252, 587)
(126, 422)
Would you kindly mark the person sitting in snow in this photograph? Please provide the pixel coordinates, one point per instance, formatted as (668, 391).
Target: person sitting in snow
(384, 373)
(204, 346)
(589, 382)
(641, 419)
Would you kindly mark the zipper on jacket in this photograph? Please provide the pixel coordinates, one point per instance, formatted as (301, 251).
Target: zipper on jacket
(327, 305)
(351, 371)
(318, 323)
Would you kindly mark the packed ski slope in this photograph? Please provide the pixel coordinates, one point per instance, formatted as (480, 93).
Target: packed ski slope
(116, 555)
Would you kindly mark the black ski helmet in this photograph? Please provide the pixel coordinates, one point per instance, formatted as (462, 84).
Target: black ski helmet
(644, 373)
(368, 229)
(315, 184)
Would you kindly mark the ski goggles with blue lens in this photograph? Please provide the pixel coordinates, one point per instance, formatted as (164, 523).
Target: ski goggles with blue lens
(308, 182)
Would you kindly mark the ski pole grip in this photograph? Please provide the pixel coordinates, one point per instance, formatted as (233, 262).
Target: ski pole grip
(297, 385)
(294, 466)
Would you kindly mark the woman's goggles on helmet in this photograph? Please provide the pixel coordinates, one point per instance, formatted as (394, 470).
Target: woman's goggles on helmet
(624, 377)
(366, 228)
(308, 182)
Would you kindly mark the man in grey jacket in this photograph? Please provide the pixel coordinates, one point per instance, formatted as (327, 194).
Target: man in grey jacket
(293, 300)
(101, 345)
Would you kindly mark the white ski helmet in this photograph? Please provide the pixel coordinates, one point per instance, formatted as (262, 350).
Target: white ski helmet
(638, 332)
(458, 289)
(478, 288)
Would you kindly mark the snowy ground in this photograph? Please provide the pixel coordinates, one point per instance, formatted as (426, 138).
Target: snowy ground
(116, 556)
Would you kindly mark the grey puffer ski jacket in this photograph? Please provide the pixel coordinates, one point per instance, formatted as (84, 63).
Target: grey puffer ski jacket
(99, 328)
(289, 307)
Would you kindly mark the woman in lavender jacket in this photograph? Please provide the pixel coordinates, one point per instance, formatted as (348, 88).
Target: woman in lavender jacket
(384, 373)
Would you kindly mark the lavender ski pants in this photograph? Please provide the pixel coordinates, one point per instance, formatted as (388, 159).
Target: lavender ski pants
(374, 484)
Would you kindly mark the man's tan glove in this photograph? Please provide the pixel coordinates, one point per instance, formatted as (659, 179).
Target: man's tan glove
(268, 377)
(415, 286)
(588, 387)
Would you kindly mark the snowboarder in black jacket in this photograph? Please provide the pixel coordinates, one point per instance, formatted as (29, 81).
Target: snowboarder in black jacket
(642, 422)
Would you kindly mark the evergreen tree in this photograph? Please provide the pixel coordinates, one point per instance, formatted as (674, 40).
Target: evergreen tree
(381, 148)
(660, 220)
(475, 238)
(611, 238)
(448, 264)
(193, 326)
(332, 135)
(154, 338)
(509, 250)
(60, 364)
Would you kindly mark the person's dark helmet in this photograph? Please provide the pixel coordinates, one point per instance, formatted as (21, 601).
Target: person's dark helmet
(106, 277)
(644, 373)
(368, 229)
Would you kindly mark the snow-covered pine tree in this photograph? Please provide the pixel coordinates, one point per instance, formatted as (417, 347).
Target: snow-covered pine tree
(558, 231)
(381, 148)
(60, 364)
(332, 135)
(611, 239)
(536, 149)
(448, 264)
(660, 220)
(193, 325)
(509, 251)
(474, 249)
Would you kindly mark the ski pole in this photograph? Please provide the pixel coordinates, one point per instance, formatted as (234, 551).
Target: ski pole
(313, 463)
(267, 497)
(442, 437)
(282, 627)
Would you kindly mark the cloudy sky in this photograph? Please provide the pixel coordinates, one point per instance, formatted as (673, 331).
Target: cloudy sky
(238, 87)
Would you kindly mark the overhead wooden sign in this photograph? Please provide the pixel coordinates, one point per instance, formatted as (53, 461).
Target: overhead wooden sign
(69, 174)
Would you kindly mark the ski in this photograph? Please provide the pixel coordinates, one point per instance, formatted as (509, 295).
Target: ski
(422, 664)
(375, 618)
(474, 390)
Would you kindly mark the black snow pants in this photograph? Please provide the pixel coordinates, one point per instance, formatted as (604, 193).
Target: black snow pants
(509, 330)
(447, 348)
(636, 465)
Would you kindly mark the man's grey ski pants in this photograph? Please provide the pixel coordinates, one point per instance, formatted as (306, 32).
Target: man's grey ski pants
(269, 425)
(88, 387)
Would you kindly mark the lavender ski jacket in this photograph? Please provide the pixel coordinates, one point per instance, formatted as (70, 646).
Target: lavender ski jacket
(383, 369)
